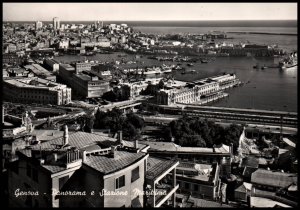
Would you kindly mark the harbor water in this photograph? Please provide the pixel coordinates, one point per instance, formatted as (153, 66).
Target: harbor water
(269, 89)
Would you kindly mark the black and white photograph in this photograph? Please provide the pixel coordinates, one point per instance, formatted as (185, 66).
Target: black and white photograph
(149, 105)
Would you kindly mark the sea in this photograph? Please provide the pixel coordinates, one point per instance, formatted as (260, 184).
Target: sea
(267, 89)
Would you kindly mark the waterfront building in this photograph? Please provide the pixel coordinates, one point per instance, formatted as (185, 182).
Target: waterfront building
(56, 23)
(201, 90)
(134, 89)
(38, 25)
(35, 90)
(81, 163)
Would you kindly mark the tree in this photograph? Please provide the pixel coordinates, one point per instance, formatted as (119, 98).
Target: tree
(161, 84)
(135, 120)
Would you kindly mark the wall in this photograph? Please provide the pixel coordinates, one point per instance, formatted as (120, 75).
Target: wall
(131, 188)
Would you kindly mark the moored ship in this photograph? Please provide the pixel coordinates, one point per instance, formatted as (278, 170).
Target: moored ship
(289, 62)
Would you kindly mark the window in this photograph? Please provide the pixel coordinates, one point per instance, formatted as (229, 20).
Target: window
(120, 182)
(28, 170)
(62, 181)
(187, 186)
(196, 187)
(135, 174)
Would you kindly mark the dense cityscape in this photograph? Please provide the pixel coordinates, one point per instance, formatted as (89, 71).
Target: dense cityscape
(121, 130)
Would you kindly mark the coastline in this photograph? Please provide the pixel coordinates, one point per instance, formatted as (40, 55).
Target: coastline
(264, 33)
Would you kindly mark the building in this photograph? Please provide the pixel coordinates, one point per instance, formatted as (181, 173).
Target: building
(88, 170)
(79, 67)
(38, 25)
(83, 83)
(52, 65)
(16, 134)
(56, 23)
(201, 91)
(18, 72)
(35, 90)
(199, 180)
(221, 154)
(41, 72)
(134, 89)
(243, 192)
(272, 180)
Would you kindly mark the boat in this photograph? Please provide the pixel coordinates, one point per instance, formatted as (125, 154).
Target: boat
(166, 69)
(289, 62)
(264, 67)
(256, 66)
(204, 61)
(190, 64)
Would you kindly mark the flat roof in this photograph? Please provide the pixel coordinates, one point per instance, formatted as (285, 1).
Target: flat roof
(172, 147)
(41, 83)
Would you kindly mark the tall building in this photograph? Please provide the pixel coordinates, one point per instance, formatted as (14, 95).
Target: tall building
(56, 23)
(38, 25)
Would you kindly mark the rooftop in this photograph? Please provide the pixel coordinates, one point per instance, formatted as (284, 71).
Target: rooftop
(172, 147)
(273, 178)
(34, 82)
(106, 165)
(89, 142)
(157, 166)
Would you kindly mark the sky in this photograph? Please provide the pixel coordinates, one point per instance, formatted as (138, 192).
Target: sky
(148, 11)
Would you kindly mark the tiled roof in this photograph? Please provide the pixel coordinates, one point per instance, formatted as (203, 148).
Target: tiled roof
(271, 178)
(157, 166)
(106, 164)
(76, 139)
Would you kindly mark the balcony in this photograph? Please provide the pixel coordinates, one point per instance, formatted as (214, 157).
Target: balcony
(158, 177)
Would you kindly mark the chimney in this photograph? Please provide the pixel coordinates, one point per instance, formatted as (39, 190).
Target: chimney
(3, 114)
(84, 156)
(112, 151)
(172, 139)
(120, 137)
(76, 68)
(231, 148)
(136, 144)
(66, 136)
(214, 150)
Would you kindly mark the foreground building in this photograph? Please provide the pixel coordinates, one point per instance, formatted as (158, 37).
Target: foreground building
(35, 90)
(89, 170)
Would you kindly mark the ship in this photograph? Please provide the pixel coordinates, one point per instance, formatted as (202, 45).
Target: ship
(289, 62)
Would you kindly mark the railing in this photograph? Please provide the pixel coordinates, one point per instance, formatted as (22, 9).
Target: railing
(73, 156)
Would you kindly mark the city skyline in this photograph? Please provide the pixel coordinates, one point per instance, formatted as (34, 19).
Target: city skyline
(149, 11)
